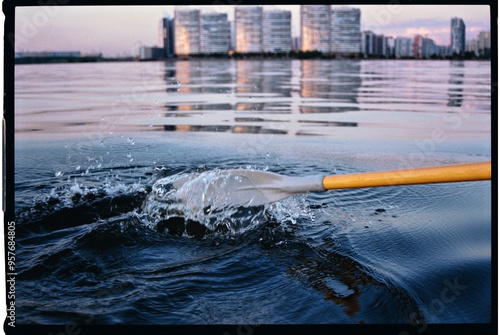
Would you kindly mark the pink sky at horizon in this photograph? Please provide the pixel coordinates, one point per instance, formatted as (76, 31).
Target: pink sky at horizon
(119, 31)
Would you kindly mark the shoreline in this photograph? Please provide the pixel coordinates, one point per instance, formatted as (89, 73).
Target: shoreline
(218, 57)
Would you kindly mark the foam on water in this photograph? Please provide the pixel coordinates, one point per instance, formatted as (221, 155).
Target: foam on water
(195, 197)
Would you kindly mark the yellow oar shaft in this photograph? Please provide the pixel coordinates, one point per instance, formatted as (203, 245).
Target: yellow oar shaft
(428, 175)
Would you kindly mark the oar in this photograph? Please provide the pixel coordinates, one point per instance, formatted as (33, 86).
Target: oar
(255, 188)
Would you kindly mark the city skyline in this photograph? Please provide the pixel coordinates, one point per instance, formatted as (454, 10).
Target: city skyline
(90, 29)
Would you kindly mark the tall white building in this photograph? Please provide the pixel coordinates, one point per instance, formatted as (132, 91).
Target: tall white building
(277, 31)
(315, 28)
(248, 28)
(215, 33)
(457, 36)
(345, 30)
(187, 31)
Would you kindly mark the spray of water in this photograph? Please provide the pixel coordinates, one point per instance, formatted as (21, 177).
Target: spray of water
(195, 197)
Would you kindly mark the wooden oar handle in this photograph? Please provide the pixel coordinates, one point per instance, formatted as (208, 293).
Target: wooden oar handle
(428, 175)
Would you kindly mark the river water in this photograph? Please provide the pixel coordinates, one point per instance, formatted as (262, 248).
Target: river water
(97, 244)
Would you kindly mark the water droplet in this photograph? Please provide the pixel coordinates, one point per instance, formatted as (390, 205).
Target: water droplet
(78, 168)
(59, 174)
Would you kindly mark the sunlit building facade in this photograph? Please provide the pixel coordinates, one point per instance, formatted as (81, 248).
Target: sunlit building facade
(315, 28)
(215, 33)
(187, 31)
(277, 31)
(345, 30)
(248, 29)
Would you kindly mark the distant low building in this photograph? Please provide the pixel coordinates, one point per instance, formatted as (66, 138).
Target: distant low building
(151, 53)
(55, 57)
(49, 54)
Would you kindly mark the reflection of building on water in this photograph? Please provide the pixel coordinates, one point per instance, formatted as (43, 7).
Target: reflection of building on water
(455, 90)
(257, 76)
(223, 128)
(203, 76)
(337, 81)
(253, 96)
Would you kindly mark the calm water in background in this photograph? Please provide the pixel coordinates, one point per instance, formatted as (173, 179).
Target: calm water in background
(93, 139)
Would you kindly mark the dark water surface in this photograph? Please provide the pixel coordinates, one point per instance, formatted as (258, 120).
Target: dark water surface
(95, 243)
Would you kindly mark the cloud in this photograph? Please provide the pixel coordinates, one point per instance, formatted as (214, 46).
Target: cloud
(440, 35)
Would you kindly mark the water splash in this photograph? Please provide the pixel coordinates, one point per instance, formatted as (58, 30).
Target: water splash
(195, 197)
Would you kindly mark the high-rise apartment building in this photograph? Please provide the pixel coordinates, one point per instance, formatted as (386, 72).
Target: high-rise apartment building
(187, 31)
(457, 36)
(248, 28)
(484, 42)
(215, 33)
(315, 28)
(424, 47)
(277, 31)
(403, 47)
(197, 32)
(373, 45)
(168, 37)
(345, 30)
(367, 43)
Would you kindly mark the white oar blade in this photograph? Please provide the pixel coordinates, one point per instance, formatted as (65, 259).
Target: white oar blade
(235, 188)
